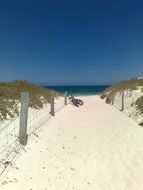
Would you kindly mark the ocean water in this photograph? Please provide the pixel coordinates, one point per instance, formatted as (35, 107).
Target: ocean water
(79, 90)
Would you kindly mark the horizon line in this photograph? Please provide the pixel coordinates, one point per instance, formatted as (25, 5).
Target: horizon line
(102, 84)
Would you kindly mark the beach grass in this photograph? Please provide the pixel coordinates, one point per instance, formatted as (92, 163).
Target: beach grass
(10, 93)
(132, 84)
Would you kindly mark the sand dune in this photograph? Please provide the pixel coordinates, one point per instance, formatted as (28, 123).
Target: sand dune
(94, 147)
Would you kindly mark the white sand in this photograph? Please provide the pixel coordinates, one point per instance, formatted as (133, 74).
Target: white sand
(94, 147)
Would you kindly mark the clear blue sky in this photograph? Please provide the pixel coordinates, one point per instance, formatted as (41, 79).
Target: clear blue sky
(71, 41)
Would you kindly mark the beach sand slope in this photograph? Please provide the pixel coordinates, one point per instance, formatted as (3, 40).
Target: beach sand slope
(93, 147)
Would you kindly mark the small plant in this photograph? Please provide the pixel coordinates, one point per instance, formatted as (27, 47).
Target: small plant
(108, 100)
(139, 104)
(102, 96)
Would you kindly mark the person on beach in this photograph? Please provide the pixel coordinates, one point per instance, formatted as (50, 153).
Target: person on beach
(76, 102)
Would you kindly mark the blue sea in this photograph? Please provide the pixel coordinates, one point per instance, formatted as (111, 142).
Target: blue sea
(79, 90)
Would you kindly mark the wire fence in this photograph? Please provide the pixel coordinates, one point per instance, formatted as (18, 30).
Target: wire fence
(37, 118)
(10, 145)
(125, 101)
(59, 104)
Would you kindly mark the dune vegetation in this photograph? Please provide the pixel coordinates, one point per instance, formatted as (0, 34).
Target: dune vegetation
(130, 85)
(10, 93)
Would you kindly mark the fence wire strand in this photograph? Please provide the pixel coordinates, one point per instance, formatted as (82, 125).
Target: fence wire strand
(10, 146)
(125, 102)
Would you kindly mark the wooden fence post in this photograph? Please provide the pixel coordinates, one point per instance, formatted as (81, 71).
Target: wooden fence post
(65, 98)
(112, 98)
(23, 118)
(122, 106)
(52, 111)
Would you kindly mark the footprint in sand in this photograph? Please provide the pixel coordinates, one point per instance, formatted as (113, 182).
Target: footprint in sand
(72, 169)
(4, 182)
(13, 181)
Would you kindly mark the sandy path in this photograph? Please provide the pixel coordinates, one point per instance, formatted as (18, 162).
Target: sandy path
(94, 147)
